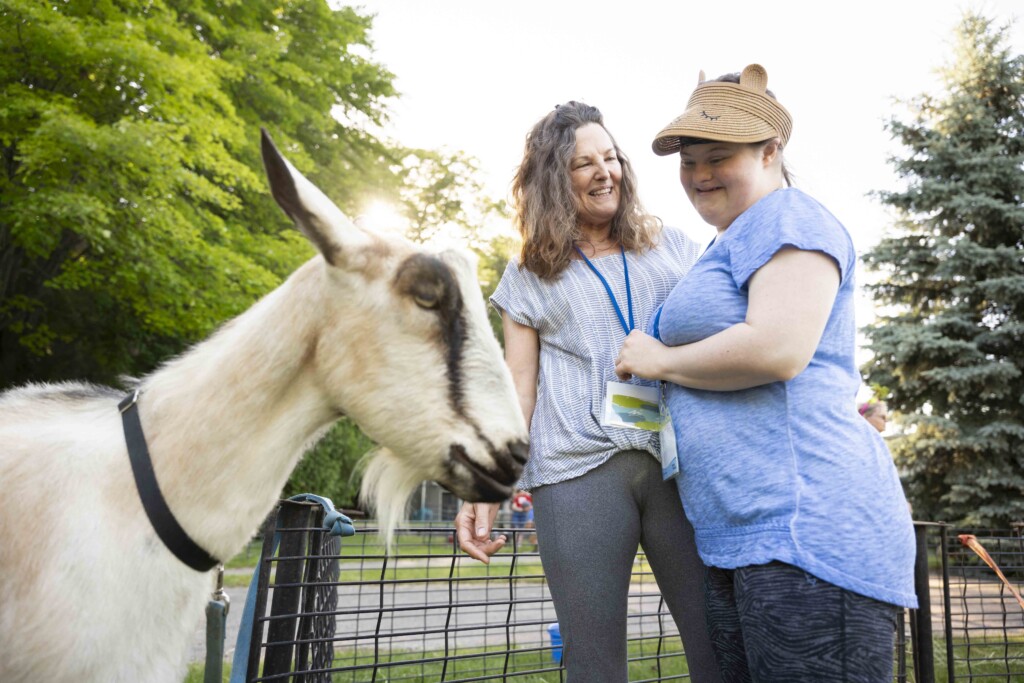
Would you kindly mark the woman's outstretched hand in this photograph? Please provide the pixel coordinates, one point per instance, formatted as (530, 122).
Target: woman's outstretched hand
(473, 527)
(638, 356)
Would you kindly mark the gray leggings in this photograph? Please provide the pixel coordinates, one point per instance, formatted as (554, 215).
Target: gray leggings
(588, 529)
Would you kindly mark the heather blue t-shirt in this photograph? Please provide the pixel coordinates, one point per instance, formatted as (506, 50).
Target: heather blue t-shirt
(786, 471)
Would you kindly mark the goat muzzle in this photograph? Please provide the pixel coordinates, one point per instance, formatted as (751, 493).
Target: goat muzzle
(486, 484)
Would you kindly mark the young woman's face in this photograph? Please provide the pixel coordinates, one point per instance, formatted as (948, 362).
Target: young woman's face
(724, 179)
(596, 175)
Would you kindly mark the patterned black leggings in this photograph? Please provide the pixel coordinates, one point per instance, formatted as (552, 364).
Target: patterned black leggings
(775, 623)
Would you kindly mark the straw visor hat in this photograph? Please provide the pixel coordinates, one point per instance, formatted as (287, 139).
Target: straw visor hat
(729, 112)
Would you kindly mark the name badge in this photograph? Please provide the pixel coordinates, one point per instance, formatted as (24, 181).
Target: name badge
(669, 455)
(631, 406)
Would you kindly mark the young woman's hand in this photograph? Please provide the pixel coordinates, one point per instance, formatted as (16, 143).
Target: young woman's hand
(639, 356)
(790, 299)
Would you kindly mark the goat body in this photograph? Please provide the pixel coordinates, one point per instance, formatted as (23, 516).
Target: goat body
(377, 329)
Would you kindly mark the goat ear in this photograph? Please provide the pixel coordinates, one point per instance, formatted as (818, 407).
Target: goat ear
(316, 216)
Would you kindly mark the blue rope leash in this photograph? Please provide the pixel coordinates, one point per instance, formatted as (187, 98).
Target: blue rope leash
(336, 524)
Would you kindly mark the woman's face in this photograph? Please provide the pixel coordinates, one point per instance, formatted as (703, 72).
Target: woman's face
(596, 175)
(878, 417)
(724, 179)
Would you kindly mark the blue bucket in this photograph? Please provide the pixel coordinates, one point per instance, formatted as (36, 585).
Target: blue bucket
(556, 642)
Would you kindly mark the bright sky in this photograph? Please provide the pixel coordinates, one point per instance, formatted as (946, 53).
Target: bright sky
(475, 76)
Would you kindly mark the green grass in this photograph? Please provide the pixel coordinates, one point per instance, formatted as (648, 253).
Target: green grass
(526, 569)
(196, 670)
(435, 568)
(478, 663)
(237, 580)
(355, 547)
(492, 666)
(987, 664)
(988, 661)
(249, 556)
(433, 550)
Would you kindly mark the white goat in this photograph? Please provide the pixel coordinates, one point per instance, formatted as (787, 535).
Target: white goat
(376, 329)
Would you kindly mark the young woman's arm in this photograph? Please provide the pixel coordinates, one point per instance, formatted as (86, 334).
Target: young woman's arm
(474, 522)
(790, 300)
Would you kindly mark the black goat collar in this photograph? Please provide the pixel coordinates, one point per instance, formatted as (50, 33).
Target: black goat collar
(160, 516)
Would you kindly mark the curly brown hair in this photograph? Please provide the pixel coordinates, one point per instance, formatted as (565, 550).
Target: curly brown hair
(546, 210)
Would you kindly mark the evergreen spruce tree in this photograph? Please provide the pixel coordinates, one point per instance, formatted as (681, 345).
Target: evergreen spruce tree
(950, 347)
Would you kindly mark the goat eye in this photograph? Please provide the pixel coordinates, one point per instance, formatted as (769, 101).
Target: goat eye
(423, 279)
(426, 301)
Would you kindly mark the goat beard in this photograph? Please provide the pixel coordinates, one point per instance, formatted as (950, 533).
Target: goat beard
(388, 483)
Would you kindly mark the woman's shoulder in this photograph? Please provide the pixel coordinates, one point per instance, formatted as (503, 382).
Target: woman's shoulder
(788, 217)
(671, 232)
(518, 276)
(792, 212)
(514, 270)
(676, 240)
(793, 203)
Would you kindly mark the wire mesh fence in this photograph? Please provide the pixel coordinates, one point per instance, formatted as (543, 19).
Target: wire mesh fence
(970, 626)
(983, 621)
(428, 613)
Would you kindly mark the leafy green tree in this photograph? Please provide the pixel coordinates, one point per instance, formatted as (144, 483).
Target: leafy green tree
(134, 216)
(950, 349)
(443, 199)
(494, 257)
(133, 211)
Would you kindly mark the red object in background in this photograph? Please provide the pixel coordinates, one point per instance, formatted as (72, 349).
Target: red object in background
(522, 501)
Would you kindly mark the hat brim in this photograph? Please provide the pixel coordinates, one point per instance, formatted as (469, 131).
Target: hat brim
(718, 124)
(726, 112)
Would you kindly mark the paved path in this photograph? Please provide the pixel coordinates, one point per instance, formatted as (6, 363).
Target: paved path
(424, 616)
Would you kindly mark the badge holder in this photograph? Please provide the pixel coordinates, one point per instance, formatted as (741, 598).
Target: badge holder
(669, 455)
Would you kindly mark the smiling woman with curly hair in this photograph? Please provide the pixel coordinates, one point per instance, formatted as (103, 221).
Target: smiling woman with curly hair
(594, 265)
(548, 211)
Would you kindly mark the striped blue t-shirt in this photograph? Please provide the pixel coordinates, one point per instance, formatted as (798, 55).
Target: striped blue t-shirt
(580, 336)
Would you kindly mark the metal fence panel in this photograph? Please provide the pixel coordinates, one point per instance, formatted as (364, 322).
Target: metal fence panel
(429, 613)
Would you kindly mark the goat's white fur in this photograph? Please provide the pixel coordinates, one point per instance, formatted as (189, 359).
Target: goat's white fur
(87, 590)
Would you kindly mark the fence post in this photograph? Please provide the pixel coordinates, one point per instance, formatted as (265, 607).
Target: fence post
(947, 611)
(924, 653)
(315, 628)
(293, 525)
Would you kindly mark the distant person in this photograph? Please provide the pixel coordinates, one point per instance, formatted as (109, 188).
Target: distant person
(593, 266)
(521, 504)
(798, 510)
(876, 413)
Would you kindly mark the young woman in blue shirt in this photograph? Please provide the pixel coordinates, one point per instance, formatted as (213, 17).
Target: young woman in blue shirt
(797, 508)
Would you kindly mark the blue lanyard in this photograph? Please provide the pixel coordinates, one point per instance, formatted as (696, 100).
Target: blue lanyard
(607, 288)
